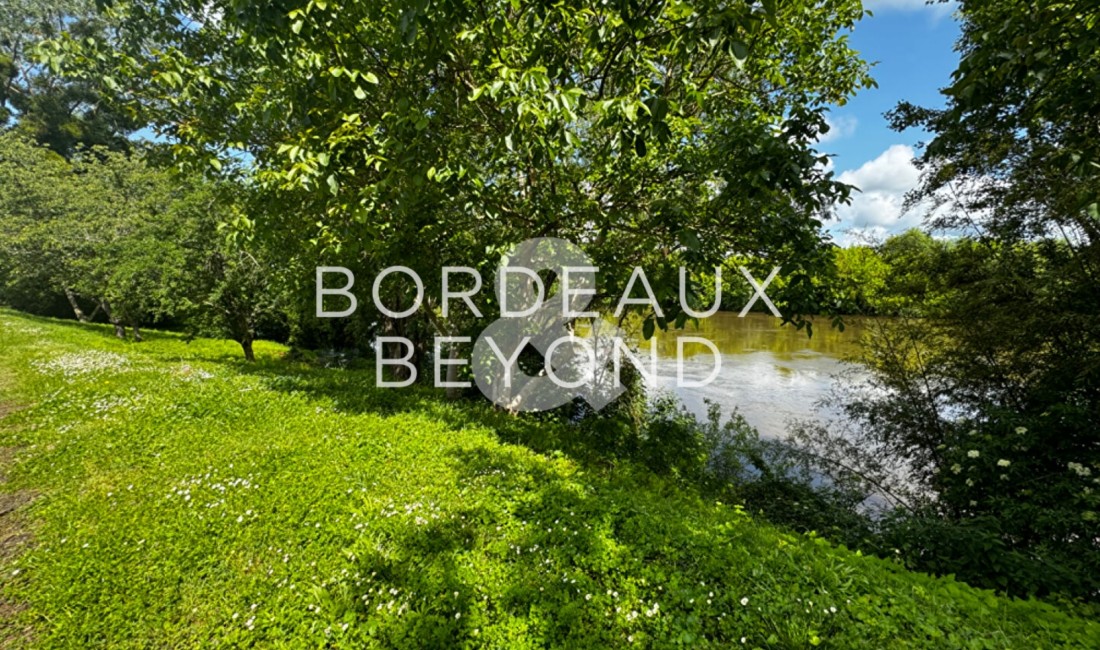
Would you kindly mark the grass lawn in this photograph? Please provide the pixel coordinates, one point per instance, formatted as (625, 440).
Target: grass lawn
(171, 495)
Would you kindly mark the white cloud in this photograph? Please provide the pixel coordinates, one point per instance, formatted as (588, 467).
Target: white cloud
(879, 207)
(893, 171)
(840, 126)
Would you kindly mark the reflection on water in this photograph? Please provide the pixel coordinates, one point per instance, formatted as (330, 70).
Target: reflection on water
(771, 373)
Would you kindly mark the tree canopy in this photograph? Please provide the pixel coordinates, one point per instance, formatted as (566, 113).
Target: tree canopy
(62, 113)
(443, 133)
(1016, 147)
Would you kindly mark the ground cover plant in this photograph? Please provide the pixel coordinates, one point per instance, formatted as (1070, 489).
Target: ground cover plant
(183, 497)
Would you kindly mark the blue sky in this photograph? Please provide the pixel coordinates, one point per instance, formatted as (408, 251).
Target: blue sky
(912, 44)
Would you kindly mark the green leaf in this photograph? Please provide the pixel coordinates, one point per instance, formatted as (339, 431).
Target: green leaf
(690, 240)
(360, 93)
(648, 328)
(770, 11)
(371, 78)
(739, 50)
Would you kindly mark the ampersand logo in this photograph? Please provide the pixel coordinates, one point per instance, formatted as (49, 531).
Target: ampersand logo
(573, 367)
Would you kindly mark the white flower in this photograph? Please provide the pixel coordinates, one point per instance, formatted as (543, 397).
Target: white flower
(956, 468)
(83, 363)
(973, 453)
(1003, 463)
(745, 601)
(1021, 430)
(1080, 469)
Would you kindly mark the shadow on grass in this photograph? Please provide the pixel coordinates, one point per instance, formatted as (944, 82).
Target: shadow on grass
(98, 329)
(553, 541)
(354, 391)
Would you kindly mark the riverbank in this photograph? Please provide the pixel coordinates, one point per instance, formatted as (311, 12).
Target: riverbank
(187, 498)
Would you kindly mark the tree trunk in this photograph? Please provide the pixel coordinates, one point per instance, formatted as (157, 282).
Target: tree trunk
(75, 305)
(396, 350)
(120, 331)
(453, 392)
(137, 332)
(246, 345)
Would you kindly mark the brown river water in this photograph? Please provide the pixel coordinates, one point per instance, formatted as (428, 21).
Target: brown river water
(771, 373)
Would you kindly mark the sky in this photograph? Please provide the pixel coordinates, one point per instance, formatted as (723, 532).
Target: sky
(911, 44)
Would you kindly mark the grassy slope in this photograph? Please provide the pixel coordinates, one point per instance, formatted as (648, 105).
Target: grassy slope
(188, 499)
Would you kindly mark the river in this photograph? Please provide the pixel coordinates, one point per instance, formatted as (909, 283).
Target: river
(772, 373)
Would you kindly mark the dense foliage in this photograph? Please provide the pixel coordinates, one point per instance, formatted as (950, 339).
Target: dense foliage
(138, 243)
(62, 113)
(986, 403)
(430, 135)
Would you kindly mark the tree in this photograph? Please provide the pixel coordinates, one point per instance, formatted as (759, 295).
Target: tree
(129, 228)
(230, 288)
(1016, 147)
(63, 114)
(36, 183)
(991, 397)
(660, 134)
(860, 283)
(139, 242)
(914, 258)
